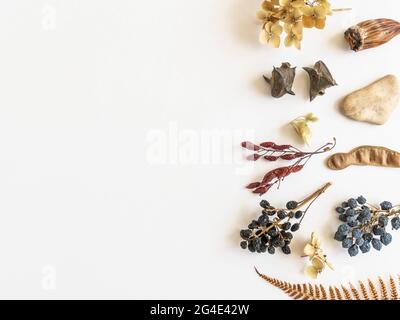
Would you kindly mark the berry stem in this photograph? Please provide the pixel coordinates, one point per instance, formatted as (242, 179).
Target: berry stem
(315, 195)
(312, 198)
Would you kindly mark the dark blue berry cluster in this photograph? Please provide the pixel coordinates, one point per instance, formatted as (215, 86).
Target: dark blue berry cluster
(364, 226)
(273, 229)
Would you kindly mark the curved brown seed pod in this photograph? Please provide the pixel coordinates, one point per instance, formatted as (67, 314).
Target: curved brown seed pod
(371, 33)
(365, 156)
(282, 79)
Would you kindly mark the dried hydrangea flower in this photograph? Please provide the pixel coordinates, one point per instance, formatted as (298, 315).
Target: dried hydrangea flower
(292, 3)
(271, 34)
(313, 251)
(301, 127)
(293, 15)
(314, 16)
(294, 22)
(293, 36)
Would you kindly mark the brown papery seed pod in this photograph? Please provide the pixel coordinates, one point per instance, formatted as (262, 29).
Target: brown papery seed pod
(281, 81)
(371, 33)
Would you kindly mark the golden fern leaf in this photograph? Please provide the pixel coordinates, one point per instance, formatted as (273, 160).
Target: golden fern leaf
(310, 289)
(384, 292)
(332, 295)
(324, 296)
(355, 293)
(363, 290)
(346, 293)
(338, 294)
(373, 290)
(290, 289)
(393, 289)
(319, 292)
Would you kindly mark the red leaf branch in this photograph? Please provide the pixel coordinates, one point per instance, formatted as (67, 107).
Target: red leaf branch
(272, 152)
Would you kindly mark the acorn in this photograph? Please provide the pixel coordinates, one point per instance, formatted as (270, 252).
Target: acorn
(371, 33)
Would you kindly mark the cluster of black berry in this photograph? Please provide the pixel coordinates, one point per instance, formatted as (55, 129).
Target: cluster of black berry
(273, 229)
(365, 225)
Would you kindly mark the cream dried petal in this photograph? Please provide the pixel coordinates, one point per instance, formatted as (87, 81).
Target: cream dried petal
(307, 11)
(315, 240)
(311, 117)
(264, 37)
(275, 41)
(287, 27)
(284, 2)
(267, 5)
(313, 236)
(261, 15)
(276, 29)
(297, 29)
(309, 250)
(288, 41)
(320, 12)
(318, 264)
(312, 272)
(297, 3)
(267, 27)
(302, 130)
(297, 43)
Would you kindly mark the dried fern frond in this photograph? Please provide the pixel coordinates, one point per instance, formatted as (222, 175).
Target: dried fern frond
(365, 291)
(393, 289)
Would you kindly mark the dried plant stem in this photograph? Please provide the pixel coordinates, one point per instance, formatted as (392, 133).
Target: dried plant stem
(342, 9)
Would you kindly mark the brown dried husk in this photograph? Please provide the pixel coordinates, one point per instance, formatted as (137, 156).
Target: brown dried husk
(365, 156)
(371, 33)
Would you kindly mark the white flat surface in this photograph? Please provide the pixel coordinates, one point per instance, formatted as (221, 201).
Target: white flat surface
(88, 90)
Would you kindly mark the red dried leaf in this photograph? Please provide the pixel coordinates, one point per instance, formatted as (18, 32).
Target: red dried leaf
(271, 158)
(268, 177)
(268, 144)
(297, 168)
(250, 146)
(262, 190)
(253, 185)
(282, 147)
(290, 156)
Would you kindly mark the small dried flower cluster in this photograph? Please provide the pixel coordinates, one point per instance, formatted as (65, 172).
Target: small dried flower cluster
(302, 128)
(275, 227)
(291, 16)
(365, 225)
(270, 151)
(313, 251)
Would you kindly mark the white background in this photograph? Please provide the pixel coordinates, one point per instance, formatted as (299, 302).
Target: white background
(87, 90)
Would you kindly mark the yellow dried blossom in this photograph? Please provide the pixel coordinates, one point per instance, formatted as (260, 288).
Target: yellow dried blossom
(327, 6)
(313, 251)
(292, 3)
(292, 38)
(294, 22)
(300, 124)
(295, 15)
(269, 5)
(270, 34)
(314, 16)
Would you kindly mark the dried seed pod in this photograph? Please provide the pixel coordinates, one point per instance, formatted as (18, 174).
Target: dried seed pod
(371, 33)
(320, 79)
(281, 81)
(365, 156)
